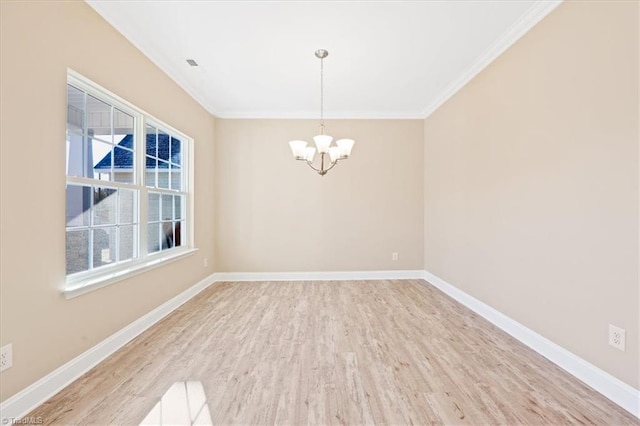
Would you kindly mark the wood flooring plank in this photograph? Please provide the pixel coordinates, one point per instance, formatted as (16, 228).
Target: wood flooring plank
(333, 353)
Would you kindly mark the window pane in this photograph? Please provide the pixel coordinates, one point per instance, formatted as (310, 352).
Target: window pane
(104, 206)
(176, 154)
(153, 237)
(77, 252)
(125, 141)
(151, 141)
(104, 246)
(122, 124)
(101, 155)
(177, 234)
(163, 174)
(74, 154)
(150, 172)
(78, 205)
(127, 206)
(176, 177)
(127, 242)
(163, 146)
(123, 165)
(99, 119)
(167, 207)
(167, 235)
(91, 158)
(153, 209)
(177, 206)
(75, 109)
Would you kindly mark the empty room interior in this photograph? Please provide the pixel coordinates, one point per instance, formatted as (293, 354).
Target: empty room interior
(319, 212)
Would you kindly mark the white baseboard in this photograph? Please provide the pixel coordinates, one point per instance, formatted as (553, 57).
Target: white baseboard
(319, 276)
(31, 397)
(616, 390)
(37, 393)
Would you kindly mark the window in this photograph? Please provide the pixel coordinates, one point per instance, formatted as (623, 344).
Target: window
(127, 187)
(166, 196)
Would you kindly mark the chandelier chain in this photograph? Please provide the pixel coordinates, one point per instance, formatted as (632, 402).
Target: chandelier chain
(322, 95)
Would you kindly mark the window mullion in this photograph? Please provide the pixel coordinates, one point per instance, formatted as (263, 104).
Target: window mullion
(85, 140)
(117, 228)
(78, 180)
(90, 248)
(140, 169)
(188, 177)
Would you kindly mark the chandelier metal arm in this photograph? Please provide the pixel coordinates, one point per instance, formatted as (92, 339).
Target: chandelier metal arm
(331, 166)
(322, 171)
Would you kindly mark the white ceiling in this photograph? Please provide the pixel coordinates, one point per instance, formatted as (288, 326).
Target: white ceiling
(386, 59)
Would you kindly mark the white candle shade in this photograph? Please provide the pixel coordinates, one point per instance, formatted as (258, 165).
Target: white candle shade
(322, 143)
(310, 152)
(345, 145)
(298, 149)
(334, 153)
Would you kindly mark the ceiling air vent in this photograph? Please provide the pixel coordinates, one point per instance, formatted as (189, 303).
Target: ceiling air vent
(192, 62)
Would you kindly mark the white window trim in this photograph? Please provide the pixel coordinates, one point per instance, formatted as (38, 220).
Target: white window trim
(120, 273)
(86, 281)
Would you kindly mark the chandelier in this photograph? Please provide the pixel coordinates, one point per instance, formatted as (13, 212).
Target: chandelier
(340, 151)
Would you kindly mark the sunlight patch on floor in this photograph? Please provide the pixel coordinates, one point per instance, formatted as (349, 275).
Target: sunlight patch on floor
(184, 403)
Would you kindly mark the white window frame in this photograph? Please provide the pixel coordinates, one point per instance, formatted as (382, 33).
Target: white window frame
(85, 281)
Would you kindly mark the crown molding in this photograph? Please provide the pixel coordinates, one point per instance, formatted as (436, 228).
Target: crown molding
(534, 15)
(313, 115)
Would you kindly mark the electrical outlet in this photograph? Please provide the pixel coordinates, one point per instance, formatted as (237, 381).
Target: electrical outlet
(617, 337)
(6, 357)
(205, 262)
(394, 256)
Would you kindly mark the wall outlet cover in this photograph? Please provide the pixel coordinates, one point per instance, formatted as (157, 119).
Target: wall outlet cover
(6, 357)
(617, 337)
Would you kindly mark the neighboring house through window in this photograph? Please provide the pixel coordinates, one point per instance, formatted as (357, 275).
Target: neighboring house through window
(127, 187)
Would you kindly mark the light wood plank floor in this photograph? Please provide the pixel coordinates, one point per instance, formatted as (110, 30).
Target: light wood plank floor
(354, 352)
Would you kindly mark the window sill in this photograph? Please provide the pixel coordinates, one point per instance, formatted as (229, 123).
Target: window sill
(78, 287)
